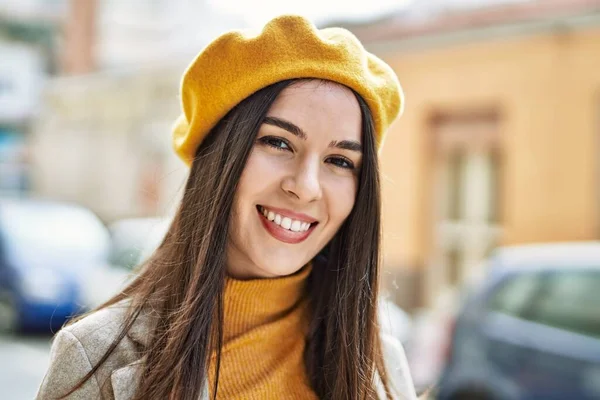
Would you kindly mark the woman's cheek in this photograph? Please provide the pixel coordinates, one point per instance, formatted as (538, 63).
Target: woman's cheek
(341, 194)
(260, 169)
(268, 163)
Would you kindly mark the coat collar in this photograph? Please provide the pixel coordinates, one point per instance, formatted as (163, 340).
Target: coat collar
(141, 330)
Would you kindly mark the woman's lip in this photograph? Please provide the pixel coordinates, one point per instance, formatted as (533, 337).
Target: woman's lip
(283, 234)
(291, 214)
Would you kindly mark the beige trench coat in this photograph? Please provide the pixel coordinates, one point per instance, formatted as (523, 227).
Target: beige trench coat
(78, 347)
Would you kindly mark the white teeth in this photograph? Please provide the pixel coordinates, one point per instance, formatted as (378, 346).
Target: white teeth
(296, 226)
(286, 222)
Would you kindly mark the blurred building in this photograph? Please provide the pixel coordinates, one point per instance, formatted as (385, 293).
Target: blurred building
(102, 140)
(499, 142)
(101, 137)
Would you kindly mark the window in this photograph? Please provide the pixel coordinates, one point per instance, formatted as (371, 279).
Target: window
(465, 197)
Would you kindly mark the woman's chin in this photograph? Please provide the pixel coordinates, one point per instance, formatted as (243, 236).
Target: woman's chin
(282, 271)
(279, 269)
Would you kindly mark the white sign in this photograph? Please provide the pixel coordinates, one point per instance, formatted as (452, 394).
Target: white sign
(21, 79)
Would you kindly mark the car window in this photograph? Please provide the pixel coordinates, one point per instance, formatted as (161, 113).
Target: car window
(514, 296)
(570, 301)
(127, 258)
(567, 300)
(134, 240)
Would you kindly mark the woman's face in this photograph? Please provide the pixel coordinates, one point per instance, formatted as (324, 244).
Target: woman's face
(299, 183)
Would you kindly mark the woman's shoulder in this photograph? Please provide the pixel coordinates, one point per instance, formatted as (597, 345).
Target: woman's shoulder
(99, 327)
(79, 347)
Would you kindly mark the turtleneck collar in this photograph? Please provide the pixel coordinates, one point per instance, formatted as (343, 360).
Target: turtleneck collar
(250, 304)
(265, 327)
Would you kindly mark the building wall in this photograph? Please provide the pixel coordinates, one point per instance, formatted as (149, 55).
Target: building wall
(103, 141)
(545, 88)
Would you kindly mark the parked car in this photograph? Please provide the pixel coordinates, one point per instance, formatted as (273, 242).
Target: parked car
(45, 248)
(132, 241)
(531, 330)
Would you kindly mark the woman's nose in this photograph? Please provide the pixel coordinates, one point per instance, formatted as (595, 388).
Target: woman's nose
(304, 182)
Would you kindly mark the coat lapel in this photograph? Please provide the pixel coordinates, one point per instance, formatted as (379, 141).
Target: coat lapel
(142, 327)
(125, 380)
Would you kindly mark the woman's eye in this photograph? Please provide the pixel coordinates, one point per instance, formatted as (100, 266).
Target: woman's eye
(275, 142)
(341, 162)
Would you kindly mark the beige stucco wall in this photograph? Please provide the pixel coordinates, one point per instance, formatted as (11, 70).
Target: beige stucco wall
(546, 90)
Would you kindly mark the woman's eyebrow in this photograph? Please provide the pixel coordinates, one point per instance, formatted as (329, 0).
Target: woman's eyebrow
(287, 125)
(297, 131)
(347, 145)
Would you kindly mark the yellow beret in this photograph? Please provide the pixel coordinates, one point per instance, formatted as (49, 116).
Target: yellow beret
(238, 64)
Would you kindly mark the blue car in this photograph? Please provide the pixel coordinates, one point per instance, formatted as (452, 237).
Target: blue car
(531, 330)
(46, 248)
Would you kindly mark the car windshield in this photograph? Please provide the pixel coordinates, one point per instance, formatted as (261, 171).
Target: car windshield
(42, 233)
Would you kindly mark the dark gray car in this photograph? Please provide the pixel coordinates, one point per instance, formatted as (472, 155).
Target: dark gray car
(531, 330)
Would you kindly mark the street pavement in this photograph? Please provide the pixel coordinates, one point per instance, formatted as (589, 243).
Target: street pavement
(23, 362)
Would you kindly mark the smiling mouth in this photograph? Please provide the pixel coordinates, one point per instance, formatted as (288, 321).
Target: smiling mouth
(288, 223)
(284, 228)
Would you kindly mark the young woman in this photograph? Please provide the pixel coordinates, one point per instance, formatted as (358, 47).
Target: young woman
(266, 284)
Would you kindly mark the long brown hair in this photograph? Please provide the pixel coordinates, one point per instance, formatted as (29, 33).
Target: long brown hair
(183, 281)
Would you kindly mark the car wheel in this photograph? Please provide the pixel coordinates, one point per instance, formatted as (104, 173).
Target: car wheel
(9, 320)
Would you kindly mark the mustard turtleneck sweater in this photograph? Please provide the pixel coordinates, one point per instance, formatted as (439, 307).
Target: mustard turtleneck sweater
(265, 328)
